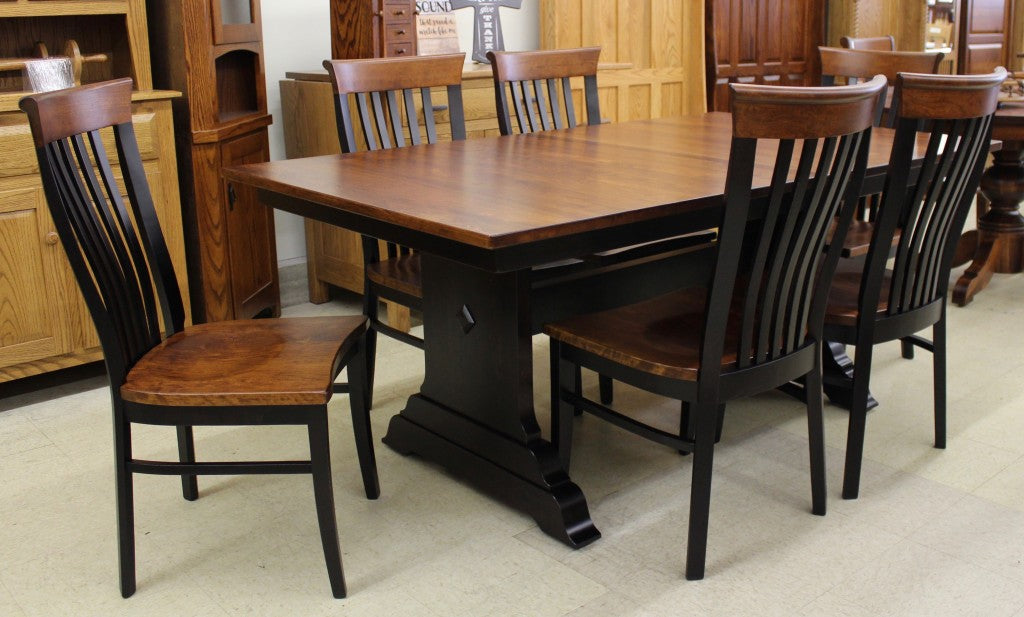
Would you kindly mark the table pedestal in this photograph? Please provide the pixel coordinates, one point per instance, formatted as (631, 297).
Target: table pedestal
(1000, 235)
(474, 413)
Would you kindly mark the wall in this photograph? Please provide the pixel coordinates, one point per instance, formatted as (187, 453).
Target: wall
(297, 37)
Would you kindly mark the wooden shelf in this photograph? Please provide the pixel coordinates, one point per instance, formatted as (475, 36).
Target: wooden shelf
(23, 8)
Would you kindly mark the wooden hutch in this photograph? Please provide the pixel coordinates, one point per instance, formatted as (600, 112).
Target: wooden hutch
(212, 51)
(44, 323)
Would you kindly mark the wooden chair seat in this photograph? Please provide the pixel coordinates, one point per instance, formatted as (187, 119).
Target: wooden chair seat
(843, 298)
(252, 362)
(660, 336)
(403, 273)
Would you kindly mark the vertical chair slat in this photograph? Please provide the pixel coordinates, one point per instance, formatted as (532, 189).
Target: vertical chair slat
(542, 105)
(556, 113)
(901, 272)
(792, 333)
(380, 120)
(410, 115)
(396, 118)
(783, 161)
(772, 333)
(365, 118)
(428, 120)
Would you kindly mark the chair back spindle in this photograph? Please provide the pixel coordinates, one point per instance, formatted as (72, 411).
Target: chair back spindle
(536, 87)
(119, 256)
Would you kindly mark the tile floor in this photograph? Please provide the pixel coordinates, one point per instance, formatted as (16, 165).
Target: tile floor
(933, 533)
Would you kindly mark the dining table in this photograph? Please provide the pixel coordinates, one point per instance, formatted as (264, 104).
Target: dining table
(487, 215)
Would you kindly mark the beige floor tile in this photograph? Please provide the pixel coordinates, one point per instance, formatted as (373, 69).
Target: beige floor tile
(1006, 488)
(913, 580)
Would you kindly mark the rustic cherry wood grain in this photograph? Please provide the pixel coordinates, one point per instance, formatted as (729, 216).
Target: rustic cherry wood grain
(251, 362)
(604, 176)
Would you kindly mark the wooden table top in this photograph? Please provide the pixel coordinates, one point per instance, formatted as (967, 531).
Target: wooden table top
(501, 192)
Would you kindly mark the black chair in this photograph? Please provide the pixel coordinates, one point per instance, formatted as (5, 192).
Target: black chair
(880, 303)
(757, 323)
(539, 86)
(250, 372)
(386, 98)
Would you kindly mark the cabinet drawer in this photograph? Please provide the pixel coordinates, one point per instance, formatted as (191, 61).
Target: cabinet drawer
(398, 13)
(398, 34)
(397, 50)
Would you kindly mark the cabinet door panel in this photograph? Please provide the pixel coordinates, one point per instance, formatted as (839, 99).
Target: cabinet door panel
(30, 325)
(250, 229)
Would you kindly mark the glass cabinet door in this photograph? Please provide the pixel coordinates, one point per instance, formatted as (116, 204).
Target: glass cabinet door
(235, 21)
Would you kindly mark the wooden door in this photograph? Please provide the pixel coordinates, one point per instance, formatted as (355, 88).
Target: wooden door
(985, 27)
(761, 41)
(250, 229)
(34, 279)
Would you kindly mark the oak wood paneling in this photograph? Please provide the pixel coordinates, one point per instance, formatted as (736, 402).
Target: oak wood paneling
(661, 39)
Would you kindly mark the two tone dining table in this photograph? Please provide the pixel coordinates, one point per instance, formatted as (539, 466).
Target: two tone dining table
(486, 214)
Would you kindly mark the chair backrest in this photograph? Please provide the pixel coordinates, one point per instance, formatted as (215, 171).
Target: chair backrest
(387, 121)
(878, 43)
(538, 85)
(820, 159)
(119, 256)
(957, 111)
(853, 65)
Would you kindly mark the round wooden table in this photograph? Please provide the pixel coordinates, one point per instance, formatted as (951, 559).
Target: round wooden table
(998, 243)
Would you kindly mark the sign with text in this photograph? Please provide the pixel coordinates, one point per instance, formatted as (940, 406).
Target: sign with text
(436, 34)
(487, 24)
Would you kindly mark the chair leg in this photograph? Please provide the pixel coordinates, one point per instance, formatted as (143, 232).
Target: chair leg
(323, 492)
(700, 489)
(357, 380)
(939, 378)
(719, 423)
(371, 309)
(125, 504)
(907, 349)
(578, 389)
(816, 438)
(187, 454)
(563, 376)
(607, 393)
(685, 424)
(858, 419)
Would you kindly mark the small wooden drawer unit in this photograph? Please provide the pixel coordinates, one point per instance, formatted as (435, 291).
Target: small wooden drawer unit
(373, 28)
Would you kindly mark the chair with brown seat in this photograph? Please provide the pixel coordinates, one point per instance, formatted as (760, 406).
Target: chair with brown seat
(877, 43)
(864, 62)
(390, 101)
(881, 303)
(250, 372)
(539, 86)
(740, 333)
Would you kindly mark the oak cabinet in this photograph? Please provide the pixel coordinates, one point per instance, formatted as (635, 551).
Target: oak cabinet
(211, 50)
(44, 323)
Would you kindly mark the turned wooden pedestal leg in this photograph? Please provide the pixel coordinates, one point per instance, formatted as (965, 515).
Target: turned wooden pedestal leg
(1000, 236)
